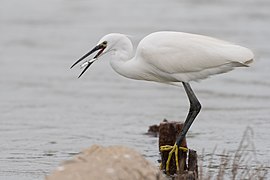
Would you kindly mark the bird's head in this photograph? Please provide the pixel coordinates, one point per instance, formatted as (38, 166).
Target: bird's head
(108, 43)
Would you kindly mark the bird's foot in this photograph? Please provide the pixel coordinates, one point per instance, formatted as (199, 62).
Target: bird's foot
(173, 149)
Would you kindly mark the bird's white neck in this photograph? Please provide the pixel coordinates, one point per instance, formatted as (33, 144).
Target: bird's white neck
(122, 61)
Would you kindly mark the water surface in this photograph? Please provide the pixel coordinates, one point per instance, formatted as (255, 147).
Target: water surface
(47, 115)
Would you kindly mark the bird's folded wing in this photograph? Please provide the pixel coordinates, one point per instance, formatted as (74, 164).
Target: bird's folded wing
(191, 53)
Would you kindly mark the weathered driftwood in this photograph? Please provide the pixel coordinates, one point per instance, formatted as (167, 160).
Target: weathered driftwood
(168, 132)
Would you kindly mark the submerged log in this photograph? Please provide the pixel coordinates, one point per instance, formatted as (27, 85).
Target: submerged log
(153, 130)
(168, 132)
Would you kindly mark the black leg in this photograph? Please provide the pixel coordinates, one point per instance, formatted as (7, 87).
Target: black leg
(194, 110)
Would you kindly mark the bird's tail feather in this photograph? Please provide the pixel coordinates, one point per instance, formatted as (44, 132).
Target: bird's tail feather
(242, 64)
(248, 62)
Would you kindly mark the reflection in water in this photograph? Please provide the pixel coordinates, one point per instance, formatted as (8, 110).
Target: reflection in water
(47, 114)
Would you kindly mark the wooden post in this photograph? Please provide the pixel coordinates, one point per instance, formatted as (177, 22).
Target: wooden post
(168, 132)
(193, 162)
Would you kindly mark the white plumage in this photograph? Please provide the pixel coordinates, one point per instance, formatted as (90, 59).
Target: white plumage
(185, 57)
(171, 57)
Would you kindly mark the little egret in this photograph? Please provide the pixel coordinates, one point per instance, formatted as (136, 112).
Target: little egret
(171, 58)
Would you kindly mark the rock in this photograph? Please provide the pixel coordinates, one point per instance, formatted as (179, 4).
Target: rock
(103, 163)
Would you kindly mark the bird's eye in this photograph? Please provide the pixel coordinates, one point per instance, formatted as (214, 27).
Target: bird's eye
(104, 43)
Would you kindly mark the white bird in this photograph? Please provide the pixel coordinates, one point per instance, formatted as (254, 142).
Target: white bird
(171, 58)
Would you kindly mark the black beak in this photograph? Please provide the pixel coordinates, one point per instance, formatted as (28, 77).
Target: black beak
(98, 47)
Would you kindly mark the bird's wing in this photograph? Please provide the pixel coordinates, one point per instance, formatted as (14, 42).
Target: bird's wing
(174, 52)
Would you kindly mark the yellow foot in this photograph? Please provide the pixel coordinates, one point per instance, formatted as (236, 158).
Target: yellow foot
(172, 149)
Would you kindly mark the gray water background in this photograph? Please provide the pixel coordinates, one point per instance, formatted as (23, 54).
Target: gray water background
(47, 115)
